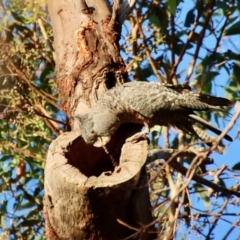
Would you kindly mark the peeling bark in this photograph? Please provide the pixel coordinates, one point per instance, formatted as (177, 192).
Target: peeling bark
(87, 53)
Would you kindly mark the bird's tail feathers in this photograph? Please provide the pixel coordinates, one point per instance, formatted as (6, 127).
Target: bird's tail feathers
(204, 137)
(209, 126)
(192, 129)
(215, 101)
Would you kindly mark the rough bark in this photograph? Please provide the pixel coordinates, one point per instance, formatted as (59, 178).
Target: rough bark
(87, 53)
(82, 201)
(81, 204)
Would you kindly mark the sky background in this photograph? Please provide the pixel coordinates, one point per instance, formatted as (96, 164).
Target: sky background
(232, 154)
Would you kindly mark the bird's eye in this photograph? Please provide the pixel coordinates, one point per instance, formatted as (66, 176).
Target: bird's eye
(92, 132)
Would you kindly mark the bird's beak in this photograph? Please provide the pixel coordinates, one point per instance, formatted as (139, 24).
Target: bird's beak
(101, 141)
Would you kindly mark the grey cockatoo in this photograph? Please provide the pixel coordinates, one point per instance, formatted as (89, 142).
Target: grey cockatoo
(150, 104)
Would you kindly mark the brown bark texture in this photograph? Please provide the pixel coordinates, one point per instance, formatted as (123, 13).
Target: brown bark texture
(85, 197)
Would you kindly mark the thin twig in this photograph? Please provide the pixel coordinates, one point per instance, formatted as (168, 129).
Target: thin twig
(48, 119)
(214, 223)
(20, 74)
(166, 138)
(199, 179)
(148, 53)
(45, 36)
(19, 150)
(172, 204)
(179, 167)
(172, 44)
(114, 162)
(228, 127)
(229, 231)
(200, 40)
(215, 50)
(176, 64)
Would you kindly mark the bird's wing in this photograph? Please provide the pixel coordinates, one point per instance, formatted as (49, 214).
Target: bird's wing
(171, 105)
(151, 98)
(147, 98)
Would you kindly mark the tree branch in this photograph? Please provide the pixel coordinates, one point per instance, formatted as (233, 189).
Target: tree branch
(148, 53)
(201, 36)
(176, 64)
(164, 154)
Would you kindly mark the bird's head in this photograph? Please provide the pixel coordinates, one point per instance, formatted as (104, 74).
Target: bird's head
(98, 127)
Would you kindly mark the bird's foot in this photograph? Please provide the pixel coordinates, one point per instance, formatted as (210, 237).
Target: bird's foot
(117, 169)
(137, 137)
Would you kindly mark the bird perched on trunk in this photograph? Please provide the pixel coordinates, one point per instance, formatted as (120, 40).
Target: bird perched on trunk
(149, 104)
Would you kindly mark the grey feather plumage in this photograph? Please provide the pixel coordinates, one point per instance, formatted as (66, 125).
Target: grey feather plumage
(150, 104)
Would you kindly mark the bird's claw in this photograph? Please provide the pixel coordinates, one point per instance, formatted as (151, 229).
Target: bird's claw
(137, 137)
(108, 173)
(116, 170)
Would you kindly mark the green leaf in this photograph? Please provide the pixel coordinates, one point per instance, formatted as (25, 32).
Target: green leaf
(5, 157)
(180, 45)
(155, 137)
(232, 93)
(28, 223)
(190, 17)
(45, 73)
(222, 184)
(172, 4)
(145, 72)
(203, 194)
(3, 206)
(160, 210)
(26, 206)
(230, 55)
(3, 225)
(233, 30)
(233, 90)
(175, 142)
(238, 5)
(236, 166)
(154, 19)
(224, 6)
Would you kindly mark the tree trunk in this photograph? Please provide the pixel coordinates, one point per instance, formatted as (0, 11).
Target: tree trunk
(85, 197)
